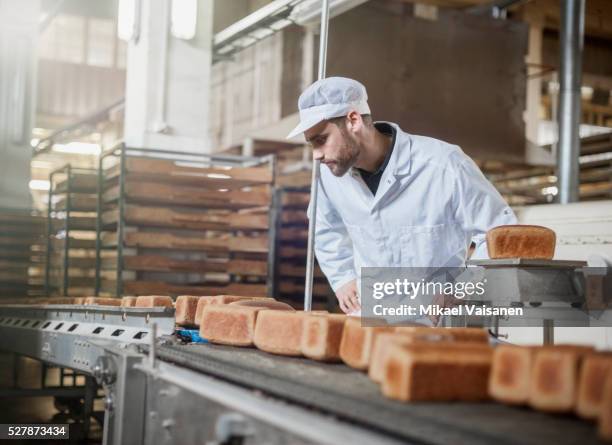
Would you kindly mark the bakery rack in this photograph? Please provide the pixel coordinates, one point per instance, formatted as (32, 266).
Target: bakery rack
(180, 222)
(70, 261)
(22, 252)
(292, 236)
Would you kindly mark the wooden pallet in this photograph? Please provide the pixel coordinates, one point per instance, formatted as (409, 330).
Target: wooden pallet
(79, 183)
(178, 214)
(161, 263)
(257, 268)
(298, 271)
(289, 287)
(22, 249)
(137, 191)
(78, 222)
(79, 203)
(168, 241)
(74, 243)
(137, 215)
(249, 244)
(296, 217)
(249, 221)
(163, 288)
(177, 172)
(295, 200)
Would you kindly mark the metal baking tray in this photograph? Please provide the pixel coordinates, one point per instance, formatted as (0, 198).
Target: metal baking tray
(524, 262)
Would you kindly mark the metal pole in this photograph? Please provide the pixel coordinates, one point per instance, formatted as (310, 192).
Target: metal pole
(49, 241)
(316, 165)
(571, 44)
(67, 230)
(99, 206)
(548, 332)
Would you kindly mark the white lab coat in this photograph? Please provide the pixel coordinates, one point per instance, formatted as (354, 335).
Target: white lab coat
(432, 201)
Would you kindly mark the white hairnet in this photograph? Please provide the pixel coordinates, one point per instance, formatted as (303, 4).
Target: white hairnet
(329, 98)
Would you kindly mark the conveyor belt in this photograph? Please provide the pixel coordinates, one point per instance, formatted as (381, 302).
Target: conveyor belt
(340, 391)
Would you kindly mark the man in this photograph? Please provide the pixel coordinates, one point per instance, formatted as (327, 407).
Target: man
(388, 198)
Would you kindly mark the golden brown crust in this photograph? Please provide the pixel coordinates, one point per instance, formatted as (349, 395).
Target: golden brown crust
(202, 303)
(593, 373)
(605, 414)
(185, 310)
(227, 299)
(357, 341)
(521, 241)
(128, 301)
(279, 332)
(228, 325)
(554, 377)
(322, 335)
(445, 371)
(409, 335)
(102, 301)
(154, 301)
(511, 374)
(265, 303)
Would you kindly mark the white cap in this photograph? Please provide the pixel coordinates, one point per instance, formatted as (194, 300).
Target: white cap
(329, 98)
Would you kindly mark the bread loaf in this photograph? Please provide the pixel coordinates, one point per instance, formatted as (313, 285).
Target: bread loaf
(593, 372)
(605, 412)
(154, 301)
(228, 325)
(185, 310)
(128, 301)
(279, 332)
(227, 299)
(521, 241)
(511, 374)
(554, 377)
(61, 300)
(357, 341)
(437, 372)
(265, 303)
(322, 335)
(202, 303)
(101, 301)
(400, 336)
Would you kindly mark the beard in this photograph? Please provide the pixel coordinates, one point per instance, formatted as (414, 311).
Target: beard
(346, 158)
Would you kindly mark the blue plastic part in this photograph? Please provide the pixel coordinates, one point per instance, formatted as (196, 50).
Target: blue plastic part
(191, 335)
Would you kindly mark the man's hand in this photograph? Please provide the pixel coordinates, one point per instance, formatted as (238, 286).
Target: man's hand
(446, 301)
(347, 297)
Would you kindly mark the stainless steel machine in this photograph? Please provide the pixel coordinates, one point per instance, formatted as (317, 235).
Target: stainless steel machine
(549, 292)
(160, 390)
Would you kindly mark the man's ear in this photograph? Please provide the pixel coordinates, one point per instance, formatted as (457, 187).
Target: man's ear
(354, 121)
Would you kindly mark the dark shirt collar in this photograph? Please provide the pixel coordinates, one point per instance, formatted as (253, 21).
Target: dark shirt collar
(386, 129)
